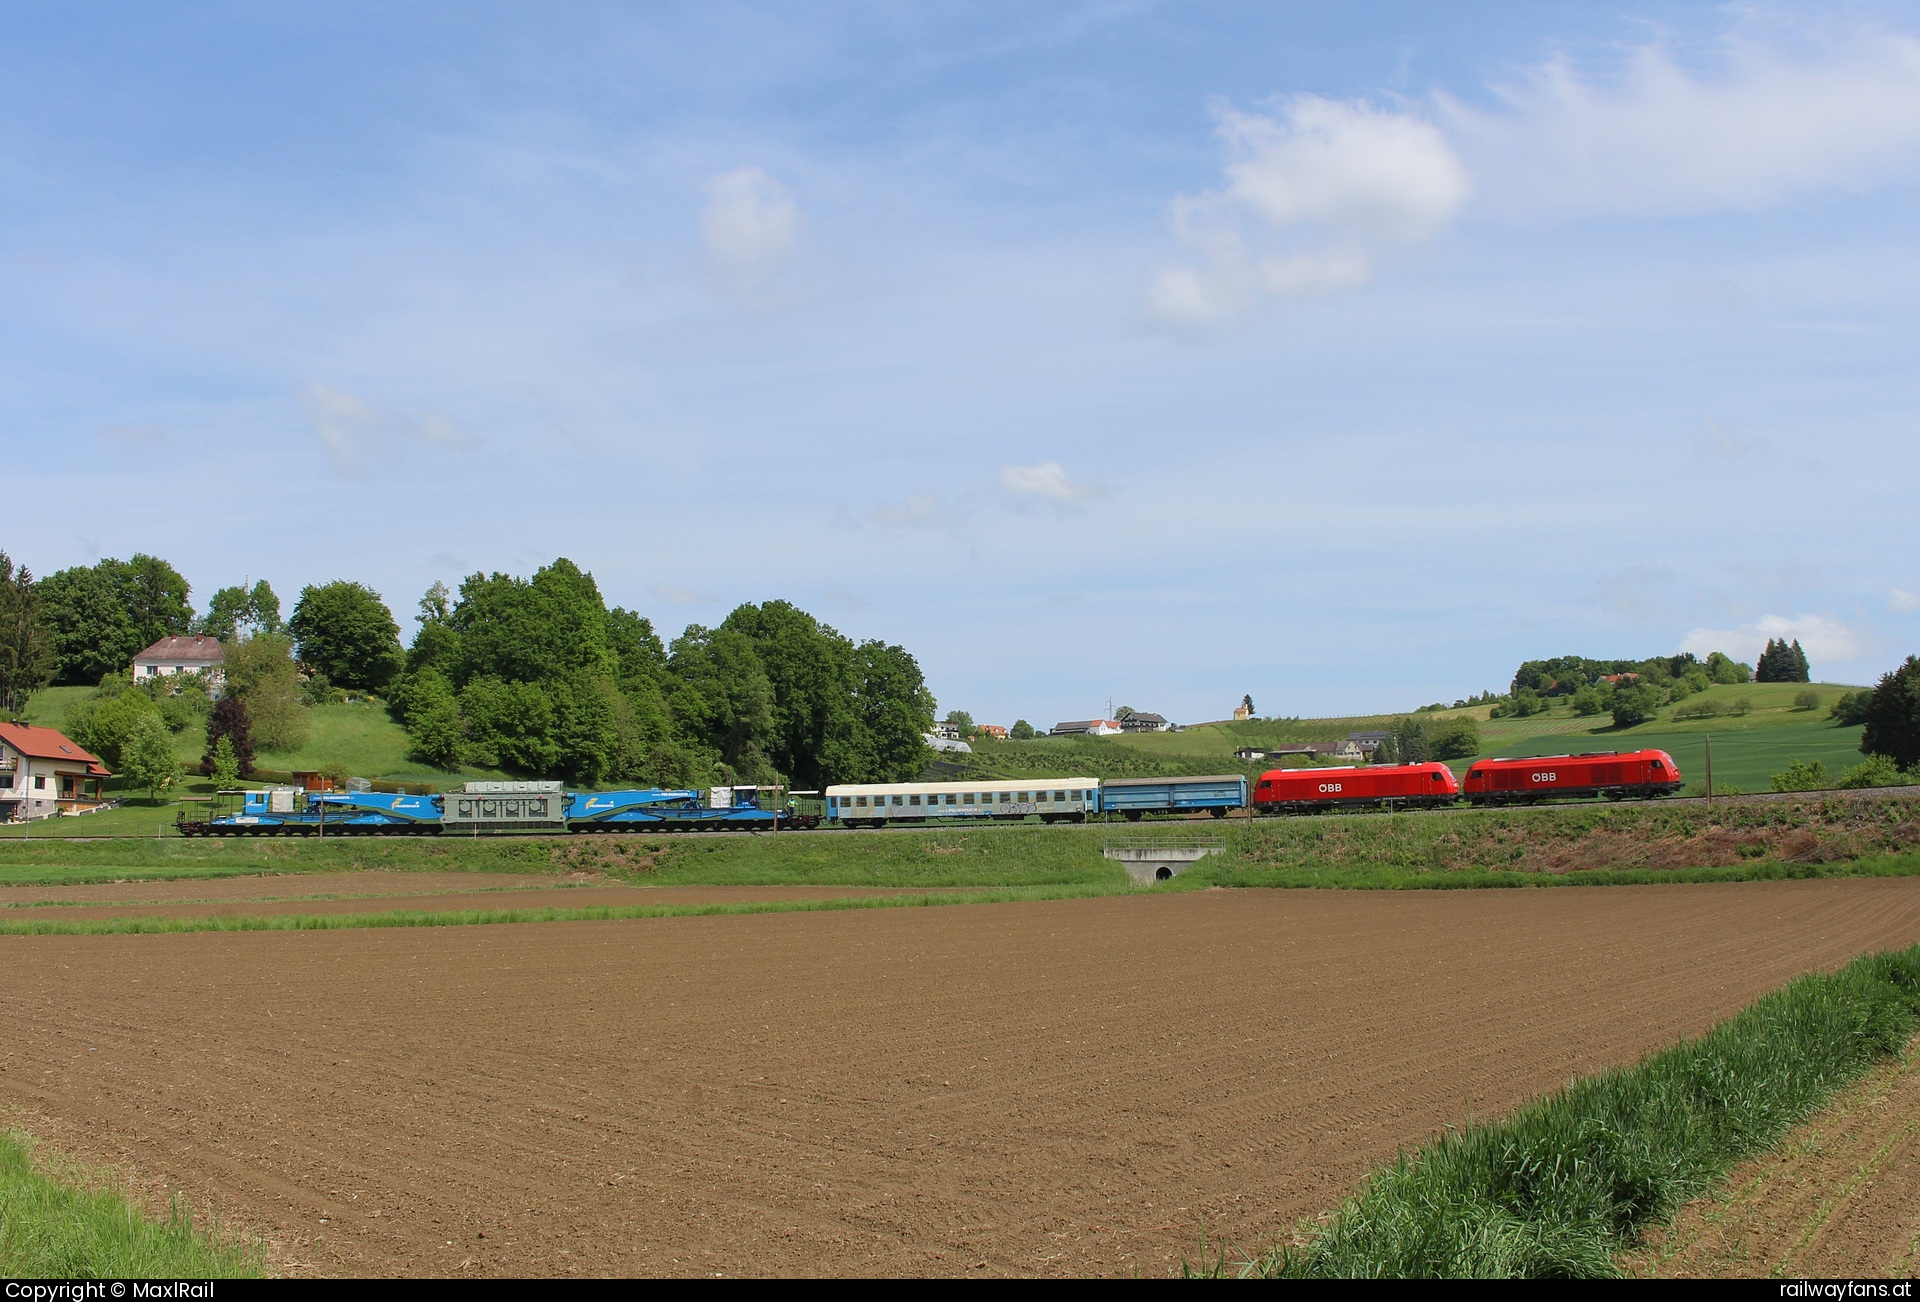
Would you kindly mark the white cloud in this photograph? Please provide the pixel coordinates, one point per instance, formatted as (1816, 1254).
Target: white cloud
(1821, 638)
(352, 430)
(1047, 479)
(750, 225)
(1903, 601)
(1661, 139)
(1331, 182)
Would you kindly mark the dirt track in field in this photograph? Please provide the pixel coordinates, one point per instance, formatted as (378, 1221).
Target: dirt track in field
(1070, 1087)
(1838, 1199)
(378, 892)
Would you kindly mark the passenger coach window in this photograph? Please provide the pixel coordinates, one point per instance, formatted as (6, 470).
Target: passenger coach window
(898, 801)
(860, 801)
(913, 800)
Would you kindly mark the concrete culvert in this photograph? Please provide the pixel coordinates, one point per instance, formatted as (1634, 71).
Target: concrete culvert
(1164, 874)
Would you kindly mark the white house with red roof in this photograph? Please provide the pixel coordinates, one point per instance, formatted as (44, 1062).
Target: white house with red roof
(180, 655)
(43, 773)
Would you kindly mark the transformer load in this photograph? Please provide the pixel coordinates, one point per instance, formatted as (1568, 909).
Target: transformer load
(505, 806)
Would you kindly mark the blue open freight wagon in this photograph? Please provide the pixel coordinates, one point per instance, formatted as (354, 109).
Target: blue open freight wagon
(1137, 797)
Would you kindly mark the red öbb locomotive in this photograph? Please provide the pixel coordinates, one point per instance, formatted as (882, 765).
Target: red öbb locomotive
(1295, 791)
(1616, 775)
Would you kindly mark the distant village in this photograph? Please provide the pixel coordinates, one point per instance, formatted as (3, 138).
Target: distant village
(954, 732)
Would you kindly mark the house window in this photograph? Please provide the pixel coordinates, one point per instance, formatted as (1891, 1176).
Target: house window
(6, 781)
(39, 782)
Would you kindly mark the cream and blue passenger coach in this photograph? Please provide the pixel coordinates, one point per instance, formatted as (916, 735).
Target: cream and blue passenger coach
(874, 804)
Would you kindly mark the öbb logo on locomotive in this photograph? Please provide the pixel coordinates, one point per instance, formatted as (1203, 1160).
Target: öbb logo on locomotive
(494, 807)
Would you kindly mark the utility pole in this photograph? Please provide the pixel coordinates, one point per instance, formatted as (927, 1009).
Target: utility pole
(1709, 766)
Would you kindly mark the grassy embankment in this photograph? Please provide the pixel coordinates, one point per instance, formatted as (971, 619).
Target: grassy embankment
(66, 1225)
(1562, 1186)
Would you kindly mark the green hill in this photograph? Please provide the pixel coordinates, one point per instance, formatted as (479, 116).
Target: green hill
(1747, 748)
(363, 737)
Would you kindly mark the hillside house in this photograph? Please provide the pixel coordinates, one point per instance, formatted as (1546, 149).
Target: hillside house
(992, 730)
(180, 655)
(1369, 742)
(1137, 722)
(947, 730)
(42, 773)
(1085, 728)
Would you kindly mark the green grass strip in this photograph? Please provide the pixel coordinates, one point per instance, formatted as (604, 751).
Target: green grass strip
(139, 926)
(1314, 877)
(1557, 1189)
(55, 1230)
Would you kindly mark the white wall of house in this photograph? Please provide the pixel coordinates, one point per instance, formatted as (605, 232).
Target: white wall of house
(32, 788)
(161, 668)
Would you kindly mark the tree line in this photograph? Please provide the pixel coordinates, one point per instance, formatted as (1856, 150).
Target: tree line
(535, 676)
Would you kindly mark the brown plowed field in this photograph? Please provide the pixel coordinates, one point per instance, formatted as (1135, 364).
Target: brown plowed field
(378, 892)
(1071, 1087)
(1839, 1199)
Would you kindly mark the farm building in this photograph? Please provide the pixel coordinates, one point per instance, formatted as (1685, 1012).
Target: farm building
(1085, 728)
(180, 655)
(1369, 742)
(42, 773)
(1138, 722)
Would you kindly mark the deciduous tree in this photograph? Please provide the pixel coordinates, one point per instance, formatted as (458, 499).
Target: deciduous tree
(147, 759)
(240, 612)
(344, 630)
(260, 671)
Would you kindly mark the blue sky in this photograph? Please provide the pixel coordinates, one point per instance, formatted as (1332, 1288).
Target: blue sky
(1340, 355)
